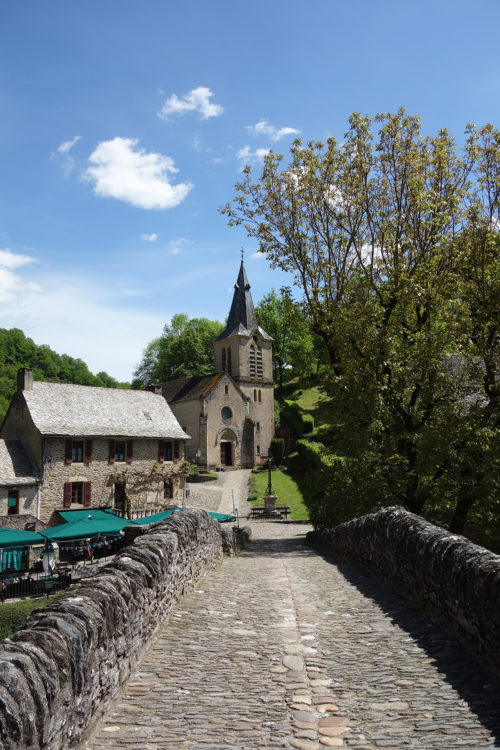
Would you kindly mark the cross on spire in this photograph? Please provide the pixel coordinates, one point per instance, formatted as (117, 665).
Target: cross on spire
(242, 254)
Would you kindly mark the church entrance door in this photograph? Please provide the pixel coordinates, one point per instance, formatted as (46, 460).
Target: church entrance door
(226, 453)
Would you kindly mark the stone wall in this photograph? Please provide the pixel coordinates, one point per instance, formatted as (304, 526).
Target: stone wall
(61, 670)
(28, 499)
(443, 572)
(101, 473)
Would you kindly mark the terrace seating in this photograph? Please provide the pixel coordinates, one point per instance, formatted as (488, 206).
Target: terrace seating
(260, 511)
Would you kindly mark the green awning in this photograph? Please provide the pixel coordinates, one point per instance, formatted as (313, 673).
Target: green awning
(79, 515)
(222, 517)
(11, 559)
(19, 538)
(87, 528)
(156, 517)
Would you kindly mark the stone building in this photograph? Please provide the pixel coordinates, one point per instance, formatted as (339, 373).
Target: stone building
(19, 487)
(92, 447)
(230, 414)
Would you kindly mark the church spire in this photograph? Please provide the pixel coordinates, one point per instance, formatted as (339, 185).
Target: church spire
(242, 318)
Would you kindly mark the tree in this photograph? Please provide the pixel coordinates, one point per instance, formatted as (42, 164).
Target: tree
(183, 350)
(375, 232)
(293, 345)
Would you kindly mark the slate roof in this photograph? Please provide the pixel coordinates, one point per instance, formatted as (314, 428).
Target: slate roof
(64, 409)
(187, 389)
(242, 320)
(15, 465)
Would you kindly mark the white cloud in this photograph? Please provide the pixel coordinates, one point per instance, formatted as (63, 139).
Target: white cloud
(264, 127)
(68, 145)
(8, 259)
(197, 100)
(257, 255)
(120, 170)
(72, 313)
(63, 154)
(12, 284)
(175, 246)
(149, 237)
(248, 157)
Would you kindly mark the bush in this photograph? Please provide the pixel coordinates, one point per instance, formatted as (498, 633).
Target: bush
(12, 615)
(296, 419)
(312, 454)
(277, 449)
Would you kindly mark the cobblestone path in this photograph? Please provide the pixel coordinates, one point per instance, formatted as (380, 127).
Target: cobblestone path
(280, 648)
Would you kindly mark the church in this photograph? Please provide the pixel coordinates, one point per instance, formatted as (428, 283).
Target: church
(229, 415)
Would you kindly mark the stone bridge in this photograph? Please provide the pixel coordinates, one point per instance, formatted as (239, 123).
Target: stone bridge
(281, 647)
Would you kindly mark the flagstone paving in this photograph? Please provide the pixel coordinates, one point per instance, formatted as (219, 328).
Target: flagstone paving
(281, 648)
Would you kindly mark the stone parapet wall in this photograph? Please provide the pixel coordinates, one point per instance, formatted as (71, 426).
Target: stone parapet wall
(443, 572)
(61, 670)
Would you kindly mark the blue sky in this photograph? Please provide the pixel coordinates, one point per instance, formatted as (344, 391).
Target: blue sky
(124, 126)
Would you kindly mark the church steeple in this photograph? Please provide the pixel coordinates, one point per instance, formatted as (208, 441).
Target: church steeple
(242, 318)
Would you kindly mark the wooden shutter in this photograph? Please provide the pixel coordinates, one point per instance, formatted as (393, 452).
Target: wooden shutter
(111, 451)
(130, 451)
(87, 494)
(67, 494)
(176, 450)
(68, 453)
(88, 452)
(161, 451)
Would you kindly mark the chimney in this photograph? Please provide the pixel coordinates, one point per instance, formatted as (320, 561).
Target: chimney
(25, 379)
(157, 389)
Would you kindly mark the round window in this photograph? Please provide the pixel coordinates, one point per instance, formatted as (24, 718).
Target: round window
(226, 412)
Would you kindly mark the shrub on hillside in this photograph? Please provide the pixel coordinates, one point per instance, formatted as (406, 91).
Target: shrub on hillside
(277, 450)
(296, 419)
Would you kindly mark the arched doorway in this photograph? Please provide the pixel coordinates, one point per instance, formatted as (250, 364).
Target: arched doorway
(226, 453)
(227, 441)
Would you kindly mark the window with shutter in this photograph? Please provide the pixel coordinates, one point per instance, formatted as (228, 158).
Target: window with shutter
(77, 451)
(67, 494)
(176, 449)
(87, 494)
(130, 451)
(168, 451)
(88, 452)
(161, 451)
(68, 453)
(111, 451)
(120, 450)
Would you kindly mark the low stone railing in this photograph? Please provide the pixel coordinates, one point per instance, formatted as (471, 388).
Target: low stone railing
(61, 670)
(443, 572)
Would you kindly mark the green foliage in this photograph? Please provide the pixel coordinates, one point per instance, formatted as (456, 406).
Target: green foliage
(313, 455)
(393, 238)
(296, 420)
(183, 350)
(296, 350)
(18, 351)
(277, 449)
(13, 614)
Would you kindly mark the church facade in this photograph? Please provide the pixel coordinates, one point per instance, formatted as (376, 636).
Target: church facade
(229, 415)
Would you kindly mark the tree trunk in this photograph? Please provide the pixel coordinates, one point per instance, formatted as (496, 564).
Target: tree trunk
(464, 503)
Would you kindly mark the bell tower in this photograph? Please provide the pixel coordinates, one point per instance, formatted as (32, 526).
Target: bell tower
(244, 351)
